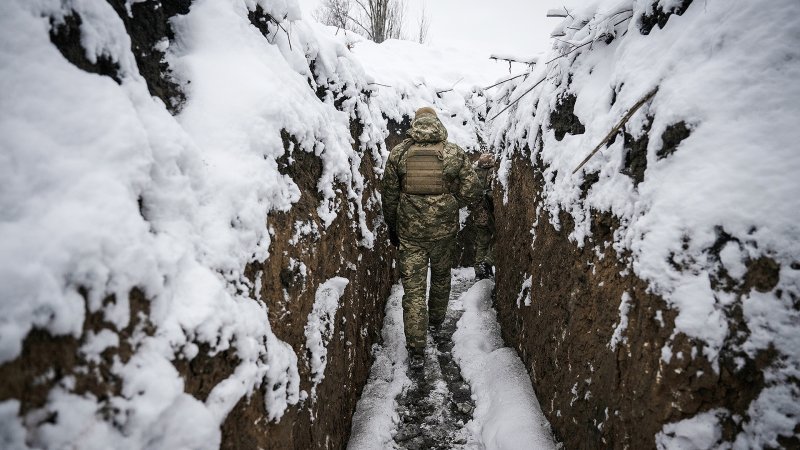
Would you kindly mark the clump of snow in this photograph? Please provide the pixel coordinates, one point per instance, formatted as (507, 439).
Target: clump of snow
(524, 296)
(507, 414)
(728, 71)
(320, 325)
(97, 343)
(622, 325)
(699, 432)
(376, 415)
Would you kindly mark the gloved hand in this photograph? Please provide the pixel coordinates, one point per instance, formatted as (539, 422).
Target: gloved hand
(393, 238)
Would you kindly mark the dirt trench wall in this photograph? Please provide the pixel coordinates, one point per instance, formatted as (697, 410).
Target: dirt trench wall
(597, 393)
(324, 421)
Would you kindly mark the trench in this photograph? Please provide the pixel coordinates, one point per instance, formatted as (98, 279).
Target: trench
(472, 393)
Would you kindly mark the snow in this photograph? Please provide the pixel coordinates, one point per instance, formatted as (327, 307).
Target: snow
(449, 80)
(12, 433)
(622, 325)
(97, 343)
(729, 71)
(507, 414)
(699, 432)
(525, 292)
(320, 326)
(375, 415)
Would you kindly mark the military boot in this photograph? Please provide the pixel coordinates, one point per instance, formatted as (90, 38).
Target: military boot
(416, 358)
(479, 272)
(483, 271)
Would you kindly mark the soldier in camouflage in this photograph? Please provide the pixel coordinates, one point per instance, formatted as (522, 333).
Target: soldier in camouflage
(483, 218)
(426, 181)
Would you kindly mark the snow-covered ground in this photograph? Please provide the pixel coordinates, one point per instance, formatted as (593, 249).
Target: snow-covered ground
(507, 412)
(506, 415)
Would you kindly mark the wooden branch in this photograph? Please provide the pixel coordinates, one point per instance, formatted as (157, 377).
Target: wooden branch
(558, 12)
(571, 50)
(623, 20)
(288, 37)
(359, 3)
(619, 125)
(518, 98)
(451, 87)
(369, 34)
(507, 80)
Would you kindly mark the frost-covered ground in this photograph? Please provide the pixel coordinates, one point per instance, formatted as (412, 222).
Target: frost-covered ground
(707, 218)
(506, 413)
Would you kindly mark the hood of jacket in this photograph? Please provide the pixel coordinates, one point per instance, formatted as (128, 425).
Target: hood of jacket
(427, 128)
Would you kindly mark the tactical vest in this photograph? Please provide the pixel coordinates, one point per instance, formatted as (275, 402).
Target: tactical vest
(425, 170)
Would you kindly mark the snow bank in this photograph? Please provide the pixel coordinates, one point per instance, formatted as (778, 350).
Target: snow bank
(376, 415)
(507, 414)
(704, 211)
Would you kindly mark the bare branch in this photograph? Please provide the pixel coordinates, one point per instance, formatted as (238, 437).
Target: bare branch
(507, 80)
(424, 25)
(619, 125)
(518, 98)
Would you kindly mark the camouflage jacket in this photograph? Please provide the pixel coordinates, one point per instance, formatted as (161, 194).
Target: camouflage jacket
(483, 213)
(428, 217)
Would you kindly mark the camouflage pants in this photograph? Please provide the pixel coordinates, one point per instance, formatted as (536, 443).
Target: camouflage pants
(483, 245)
(414, 258)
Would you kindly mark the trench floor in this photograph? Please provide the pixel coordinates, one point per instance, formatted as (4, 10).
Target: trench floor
(437, 405)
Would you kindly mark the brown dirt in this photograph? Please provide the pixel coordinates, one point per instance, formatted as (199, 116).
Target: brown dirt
(148, 25)
(595, 397)
(45, 359)
(635, 151)
(66, 36)
(563, 120)
(659, 17)
(672, 136)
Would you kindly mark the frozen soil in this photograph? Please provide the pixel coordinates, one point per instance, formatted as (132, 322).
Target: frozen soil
(437, 405)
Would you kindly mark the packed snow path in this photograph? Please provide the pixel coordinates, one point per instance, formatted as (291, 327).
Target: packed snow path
(473, 393)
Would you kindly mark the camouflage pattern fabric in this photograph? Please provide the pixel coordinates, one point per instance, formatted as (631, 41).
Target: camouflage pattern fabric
(427, 129)
(428, 217)
(484, 246)
(427, 224)
(483, 214)
(414, 257)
